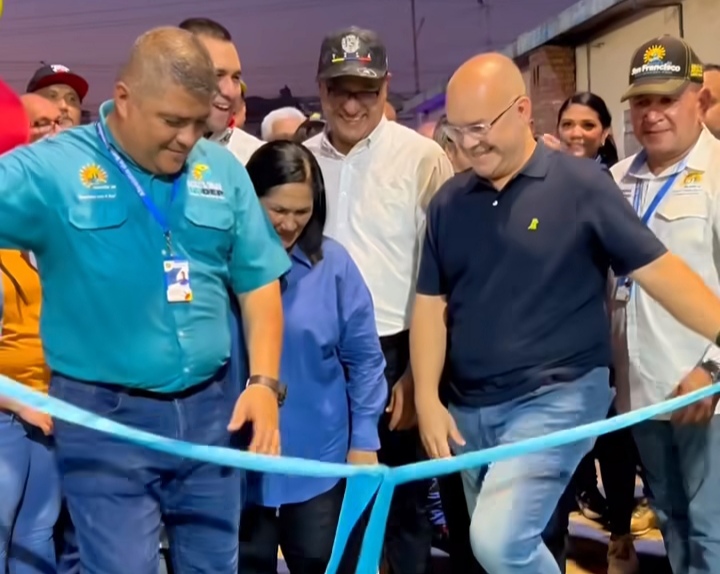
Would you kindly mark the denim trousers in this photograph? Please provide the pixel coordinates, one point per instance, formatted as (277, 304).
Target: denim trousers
(29, 498)
(512, 501)
(682, 467)
(118, 493)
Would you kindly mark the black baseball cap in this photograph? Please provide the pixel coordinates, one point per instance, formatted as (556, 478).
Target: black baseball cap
(663, 66)
(50, 75)
(352, 52)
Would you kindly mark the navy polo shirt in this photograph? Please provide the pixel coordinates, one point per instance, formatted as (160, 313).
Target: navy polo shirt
(525, 273)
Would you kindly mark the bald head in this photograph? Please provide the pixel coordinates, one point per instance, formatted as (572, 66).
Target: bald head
(489, 115)
(170, 56)
(44, 115)
(488, 81)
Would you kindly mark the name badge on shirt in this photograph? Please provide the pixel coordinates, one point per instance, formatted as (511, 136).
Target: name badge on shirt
(177, 280)
(623, 289)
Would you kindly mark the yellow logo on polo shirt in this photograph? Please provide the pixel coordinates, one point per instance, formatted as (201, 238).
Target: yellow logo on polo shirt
(92, 176)
(533, 224)
(692, 178)
(199, 170)
(654, 53)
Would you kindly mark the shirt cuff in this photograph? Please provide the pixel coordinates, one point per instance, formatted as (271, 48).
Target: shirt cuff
(712, 354)
(365, 434)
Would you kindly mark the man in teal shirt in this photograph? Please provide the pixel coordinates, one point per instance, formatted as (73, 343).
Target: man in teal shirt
(139, 228)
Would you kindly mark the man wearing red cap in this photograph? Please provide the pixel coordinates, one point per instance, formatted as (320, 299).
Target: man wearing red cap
(58, 84)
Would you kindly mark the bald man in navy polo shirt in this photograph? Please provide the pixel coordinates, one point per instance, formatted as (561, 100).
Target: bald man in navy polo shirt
(513, 288)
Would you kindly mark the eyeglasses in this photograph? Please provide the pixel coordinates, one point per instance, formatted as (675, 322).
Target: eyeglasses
(366, 98)
(475, 132)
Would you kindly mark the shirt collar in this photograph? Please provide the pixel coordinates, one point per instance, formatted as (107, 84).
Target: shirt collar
(105, 109)
(536, 167)
(298, 255)
(327, 147)
(698, 159)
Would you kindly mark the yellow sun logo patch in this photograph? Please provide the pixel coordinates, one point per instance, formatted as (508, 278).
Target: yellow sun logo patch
(654, 53)
(92, 175)
(199, 170)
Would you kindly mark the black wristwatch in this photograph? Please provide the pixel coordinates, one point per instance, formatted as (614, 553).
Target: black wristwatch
(713, 369)
(273, 384)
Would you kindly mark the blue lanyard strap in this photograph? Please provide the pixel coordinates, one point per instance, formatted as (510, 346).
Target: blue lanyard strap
(657, 200)
(147, 202)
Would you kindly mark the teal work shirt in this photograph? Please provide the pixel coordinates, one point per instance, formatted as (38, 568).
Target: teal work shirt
(105, 315)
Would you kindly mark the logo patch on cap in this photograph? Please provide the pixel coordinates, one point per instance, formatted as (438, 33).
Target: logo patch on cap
(654, 63)
(58, 69)
(350, 44)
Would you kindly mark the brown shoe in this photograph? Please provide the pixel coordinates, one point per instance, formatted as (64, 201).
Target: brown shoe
(621, 555)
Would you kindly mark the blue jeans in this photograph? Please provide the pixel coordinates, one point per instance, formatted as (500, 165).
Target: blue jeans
(118, 493)
(512, 501)
(682, 466)
(29, 498)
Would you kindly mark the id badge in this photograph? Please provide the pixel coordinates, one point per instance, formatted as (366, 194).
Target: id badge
(177, 280)
(623, 290)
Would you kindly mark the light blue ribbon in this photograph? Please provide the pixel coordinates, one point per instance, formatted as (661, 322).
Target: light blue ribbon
(364, 482)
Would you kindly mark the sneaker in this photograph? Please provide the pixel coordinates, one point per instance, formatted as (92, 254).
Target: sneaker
(643, 519)
(592, 505)
(621, 555)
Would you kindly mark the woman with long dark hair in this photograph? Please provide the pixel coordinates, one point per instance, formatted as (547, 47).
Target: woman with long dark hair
(333, 367)
(584, 129)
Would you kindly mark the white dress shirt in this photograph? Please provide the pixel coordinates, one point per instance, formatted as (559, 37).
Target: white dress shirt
(661, 351)
(239, 142)
(376, 198)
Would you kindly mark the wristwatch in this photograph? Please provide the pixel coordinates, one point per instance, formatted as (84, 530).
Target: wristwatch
(273, 384)
(713, 369)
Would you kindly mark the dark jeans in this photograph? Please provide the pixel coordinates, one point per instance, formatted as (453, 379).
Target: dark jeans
(409, 533)
(66, 547)
(118, 493)
(617, 456)
(304, 532)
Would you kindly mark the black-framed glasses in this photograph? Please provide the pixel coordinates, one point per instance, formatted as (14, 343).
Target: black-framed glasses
(478, 131)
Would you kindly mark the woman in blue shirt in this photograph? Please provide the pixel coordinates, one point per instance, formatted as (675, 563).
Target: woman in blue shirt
(332, 365)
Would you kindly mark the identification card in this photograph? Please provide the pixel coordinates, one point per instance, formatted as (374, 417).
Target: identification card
(177, 280)
(623, 290)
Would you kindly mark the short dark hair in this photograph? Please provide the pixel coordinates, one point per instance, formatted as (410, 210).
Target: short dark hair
(206, 27)
(280, 162)
(712, 67)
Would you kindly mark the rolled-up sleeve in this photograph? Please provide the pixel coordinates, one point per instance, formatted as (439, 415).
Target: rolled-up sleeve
(24, 196)
(362, 358)
(258, 257)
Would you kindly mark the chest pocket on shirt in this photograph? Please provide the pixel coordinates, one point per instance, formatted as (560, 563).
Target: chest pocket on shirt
(210, 223)
(96, 215)
(682, 224)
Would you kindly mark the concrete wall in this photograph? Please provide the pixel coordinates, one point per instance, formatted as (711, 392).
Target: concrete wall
(602, 64)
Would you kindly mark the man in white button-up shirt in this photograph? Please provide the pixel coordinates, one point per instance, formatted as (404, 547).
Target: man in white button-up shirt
(379, 177)
(674, 184)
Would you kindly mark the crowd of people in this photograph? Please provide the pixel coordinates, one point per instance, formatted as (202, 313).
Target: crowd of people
(349, 290)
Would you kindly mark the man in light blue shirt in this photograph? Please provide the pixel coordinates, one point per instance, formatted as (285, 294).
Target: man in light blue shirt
(139, 228)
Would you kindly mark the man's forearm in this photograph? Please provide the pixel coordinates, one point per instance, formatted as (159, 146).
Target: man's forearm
(682, 293)
(262, 318)
(428, 344)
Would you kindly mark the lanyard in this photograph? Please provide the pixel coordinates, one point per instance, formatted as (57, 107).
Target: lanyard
(662, 192)
(147, 202)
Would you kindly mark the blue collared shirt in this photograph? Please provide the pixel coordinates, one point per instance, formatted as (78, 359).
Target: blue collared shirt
(100, 255)
(333, 366)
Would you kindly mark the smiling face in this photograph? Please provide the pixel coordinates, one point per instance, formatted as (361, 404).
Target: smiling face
(581, 132)
(667, 126)
(353, 108)
(229, 72)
